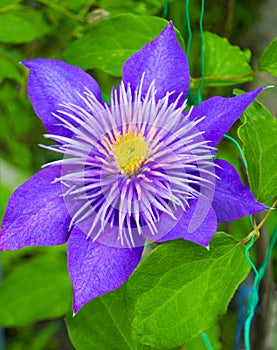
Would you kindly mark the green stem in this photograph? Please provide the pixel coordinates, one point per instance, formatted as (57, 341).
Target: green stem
(60, 9)
(230, 6)
(10, 8)
(86, 8)
(255, 232)
(227, 77)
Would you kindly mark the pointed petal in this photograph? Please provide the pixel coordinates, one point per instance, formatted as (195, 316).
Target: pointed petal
(197, 224)
(96, 269)
(220, 114)
(36, 214)
(232, 198)
(164, 61)
(53, 82)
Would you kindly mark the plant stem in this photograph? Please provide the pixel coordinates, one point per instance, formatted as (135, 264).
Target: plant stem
(10, 8)
(227, 77)
(267, 215)
(60, 9)
(257, 228)
(229, 18)
(86, 8)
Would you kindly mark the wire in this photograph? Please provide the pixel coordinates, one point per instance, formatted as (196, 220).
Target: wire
(253, 298)
(188, 25)
(259, 275)
(239, 149)
(199, 92)
(191, 96)
(207, 342)
(165, 8)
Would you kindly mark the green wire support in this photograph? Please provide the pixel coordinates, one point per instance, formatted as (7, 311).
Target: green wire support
(192, 99)
(238, 147)
(251, 221)
(165, 8)
(188, 25)
(206, 341)
(259, 275)
(254, 297)
(199, 92)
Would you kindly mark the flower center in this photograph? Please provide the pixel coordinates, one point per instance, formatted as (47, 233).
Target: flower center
(129, 152)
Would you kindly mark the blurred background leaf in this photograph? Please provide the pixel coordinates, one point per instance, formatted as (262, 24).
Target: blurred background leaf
(9, 68)
(35, 290)
(22, 26)
(268, 59)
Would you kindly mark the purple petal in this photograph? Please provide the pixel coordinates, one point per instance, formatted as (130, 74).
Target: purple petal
(221, 113)
(36, 214)
(96, 269)
(164, 61)
(197, 224)
(53, 82)
(232, 199)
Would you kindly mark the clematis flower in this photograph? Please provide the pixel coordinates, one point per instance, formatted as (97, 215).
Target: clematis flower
(141, 167)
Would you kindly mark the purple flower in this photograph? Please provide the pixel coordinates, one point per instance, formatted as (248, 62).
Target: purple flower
(138, 168)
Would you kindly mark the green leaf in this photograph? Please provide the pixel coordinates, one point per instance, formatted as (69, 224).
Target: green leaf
(102, 324)
(22, 26)
(225, 64)
(20, 130)
(12, 258)
(11, 178)
(99, 49)
(268, 59)
(259, 136)
(178, 291)
(36, 290)
(9, 68)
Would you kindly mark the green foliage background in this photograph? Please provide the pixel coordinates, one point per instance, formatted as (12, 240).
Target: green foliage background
(180, 290)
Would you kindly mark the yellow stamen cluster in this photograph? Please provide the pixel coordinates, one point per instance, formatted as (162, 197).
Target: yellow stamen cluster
(129, 151)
